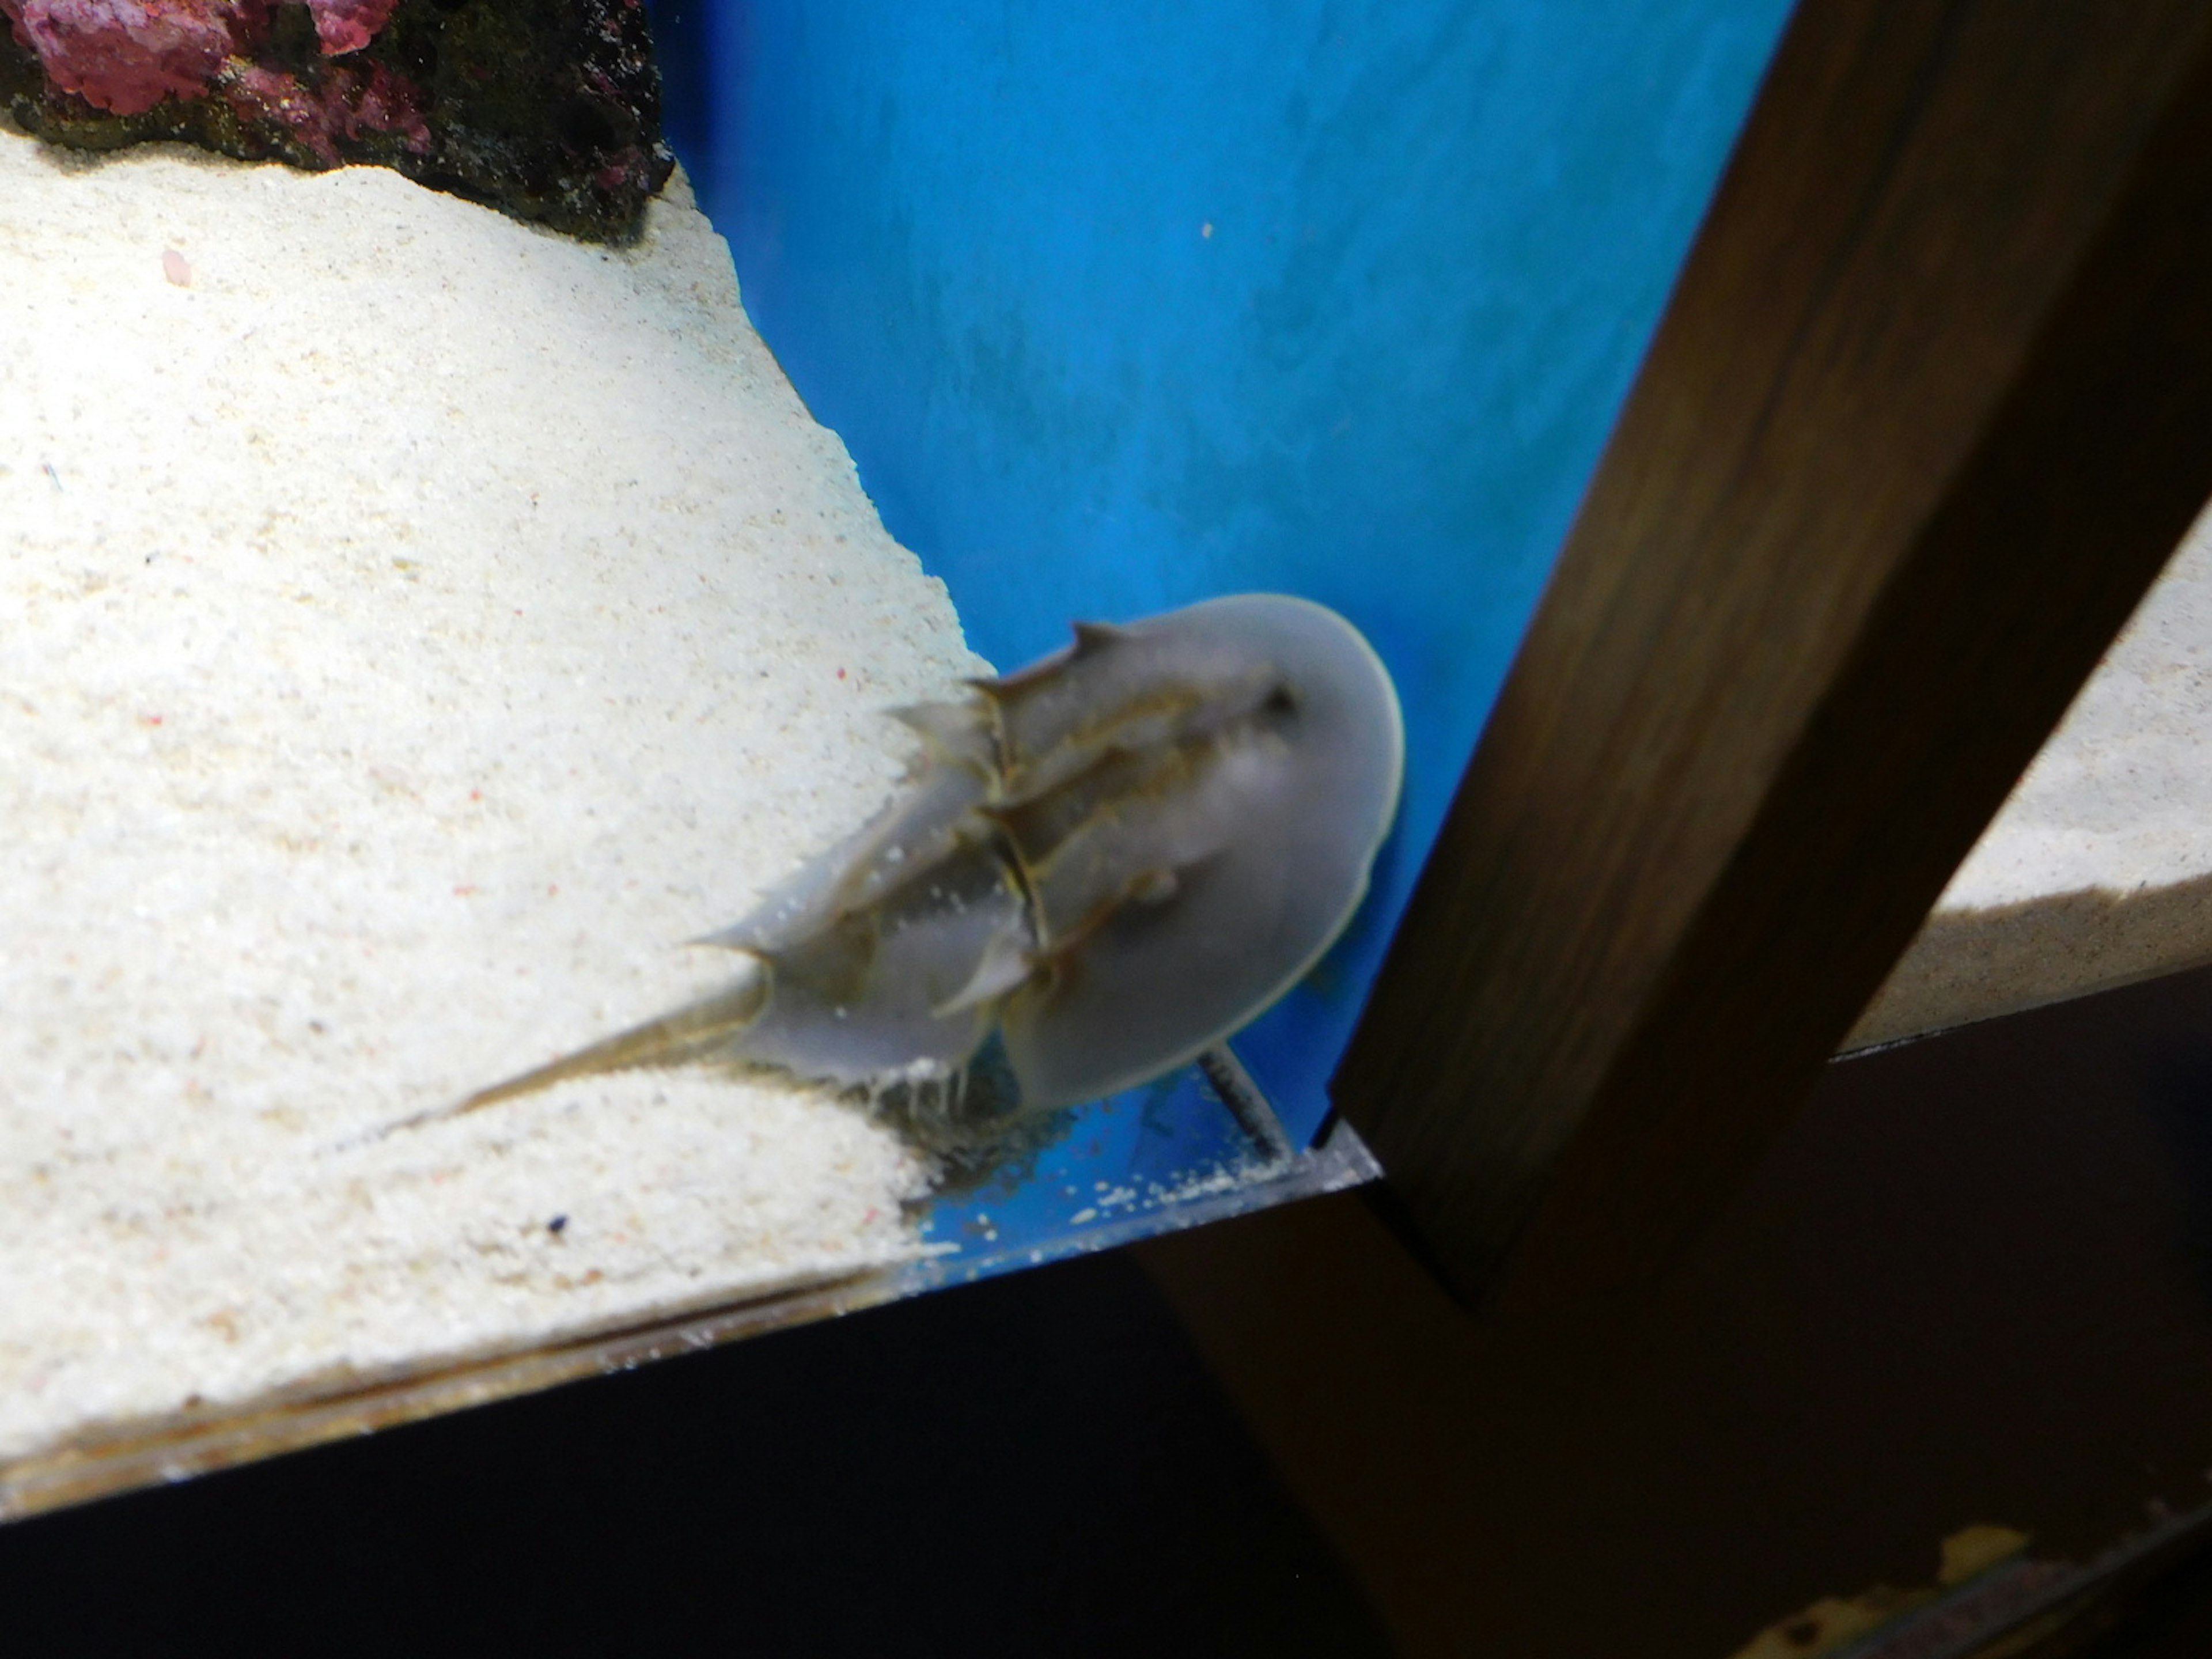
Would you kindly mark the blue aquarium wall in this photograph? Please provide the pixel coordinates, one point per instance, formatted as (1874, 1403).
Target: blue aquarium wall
(1120, 306)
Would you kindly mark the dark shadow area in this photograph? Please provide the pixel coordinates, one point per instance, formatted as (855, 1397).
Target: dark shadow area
(2175, 1086)
(1971, 1287)
(2168, 1618)
(1035, 1464)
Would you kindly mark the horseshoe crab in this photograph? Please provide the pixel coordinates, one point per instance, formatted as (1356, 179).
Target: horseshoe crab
(1099, 865)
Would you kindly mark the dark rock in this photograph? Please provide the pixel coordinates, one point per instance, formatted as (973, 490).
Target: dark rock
(548, 110)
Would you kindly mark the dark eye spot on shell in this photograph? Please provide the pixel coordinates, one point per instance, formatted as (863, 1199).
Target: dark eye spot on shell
(558, 1226)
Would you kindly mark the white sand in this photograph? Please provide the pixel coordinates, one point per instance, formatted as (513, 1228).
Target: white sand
(2099, 869)
(410, 631)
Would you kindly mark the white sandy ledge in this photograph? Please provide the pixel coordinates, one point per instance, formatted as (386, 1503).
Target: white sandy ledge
(2099, 869)
(410, 633)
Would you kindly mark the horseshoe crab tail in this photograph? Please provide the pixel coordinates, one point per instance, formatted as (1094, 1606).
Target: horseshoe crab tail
(698, 1031)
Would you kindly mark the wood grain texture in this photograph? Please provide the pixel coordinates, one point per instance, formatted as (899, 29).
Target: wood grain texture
(1930, 407)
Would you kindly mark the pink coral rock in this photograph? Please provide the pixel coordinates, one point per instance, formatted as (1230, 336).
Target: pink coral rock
(344, 105)
(126, 56)
(348, 25)
(547, 109)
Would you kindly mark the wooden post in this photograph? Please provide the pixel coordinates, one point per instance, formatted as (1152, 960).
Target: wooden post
(1929, 409)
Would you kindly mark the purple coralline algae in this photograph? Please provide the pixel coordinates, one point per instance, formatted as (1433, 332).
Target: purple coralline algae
(547, 109)
(126, 56)
(348, 104)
